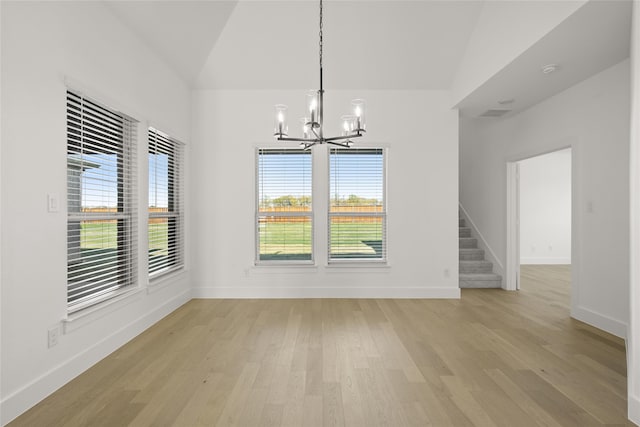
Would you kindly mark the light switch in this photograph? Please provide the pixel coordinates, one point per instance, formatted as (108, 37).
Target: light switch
(53, 202)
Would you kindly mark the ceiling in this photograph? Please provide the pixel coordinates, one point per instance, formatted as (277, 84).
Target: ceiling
(392, 44)
(592, 39)
(274, 44)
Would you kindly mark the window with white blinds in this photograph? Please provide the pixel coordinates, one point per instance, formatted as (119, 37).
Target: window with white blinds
(101, 202)
(284, 217)
(166, 236)
(357, 214)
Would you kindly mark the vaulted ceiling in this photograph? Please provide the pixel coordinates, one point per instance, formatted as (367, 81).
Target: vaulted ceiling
(368, 44)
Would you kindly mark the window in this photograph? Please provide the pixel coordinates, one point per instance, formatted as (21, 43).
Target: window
(166, 251)
(357, 216)
(101, 201)
(284, 215)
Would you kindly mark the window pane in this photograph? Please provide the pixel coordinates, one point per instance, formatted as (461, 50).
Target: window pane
(284, 238)
(284, 181)
(284, 187)
(357, 218)
(357, 237)
(101, 202)
(165, 209)
(356, 180)
(163, 244)
(95, 259)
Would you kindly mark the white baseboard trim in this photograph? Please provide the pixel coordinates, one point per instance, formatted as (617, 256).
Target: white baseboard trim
(21, 400)
(634, 409)
(545, 261)
(342, 292)
(600, 321)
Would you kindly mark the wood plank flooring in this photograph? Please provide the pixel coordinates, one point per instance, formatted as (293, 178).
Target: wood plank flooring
(492, 358)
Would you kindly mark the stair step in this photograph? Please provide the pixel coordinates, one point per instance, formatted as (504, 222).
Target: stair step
(464, 232)
(460, 222)
(480, 281)
(468, 242)
(474, 267)
(471, 254)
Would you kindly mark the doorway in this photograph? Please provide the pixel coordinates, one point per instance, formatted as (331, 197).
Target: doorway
(539, 204)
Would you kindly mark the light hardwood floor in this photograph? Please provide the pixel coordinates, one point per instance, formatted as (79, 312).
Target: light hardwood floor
(490, 358)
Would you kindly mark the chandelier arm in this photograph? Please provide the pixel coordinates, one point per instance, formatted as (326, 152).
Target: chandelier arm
(341, 138)
(340, 144)
(286, 138)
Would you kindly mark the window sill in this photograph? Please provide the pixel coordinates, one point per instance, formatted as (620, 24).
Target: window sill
(358, 265)
(282, 268)
(90, 314)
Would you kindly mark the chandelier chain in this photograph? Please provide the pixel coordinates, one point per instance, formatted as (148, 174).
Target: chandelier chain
(320, 34)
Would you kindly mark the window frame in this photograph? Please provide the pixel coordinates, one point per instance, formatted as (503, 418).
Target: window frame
(383, 214)
(309, 214)
(83, 142)
(175, 203)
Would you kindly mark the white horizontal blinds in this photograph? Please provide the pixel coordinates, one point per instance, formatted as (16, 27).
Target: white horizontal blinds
(357, 216)
(284, 210)
(166, 241)
(101, 224)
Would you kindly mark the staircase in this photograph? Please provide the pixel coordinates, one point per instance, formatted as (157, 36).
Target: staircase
(475, 272)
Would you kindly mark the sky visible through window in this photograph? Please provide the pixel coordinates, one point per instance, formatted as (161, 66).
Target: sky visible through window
(290, 175)
(100, 181)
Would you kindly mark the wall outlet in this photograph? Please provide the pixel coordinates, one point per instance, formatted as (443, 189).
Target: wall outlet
(54, 334)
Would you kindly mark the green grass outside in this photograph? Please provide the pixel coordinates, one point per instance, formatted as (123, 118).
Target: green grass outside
(282, 240)
(104, 235)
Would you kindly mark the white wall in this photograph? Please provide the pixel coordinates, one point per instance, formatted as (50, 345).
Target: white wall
(42, 43)
(545, 209)
(420, 131)
(633, 337)
(593, 118)
(505, 29)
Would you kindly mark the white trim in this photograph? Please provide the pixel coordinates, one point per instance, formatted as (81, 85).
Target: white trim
(490, 255)
(29, 395)
(600, 321)
(545, 261)
(341, 292)
(512, 271)
(634, 409)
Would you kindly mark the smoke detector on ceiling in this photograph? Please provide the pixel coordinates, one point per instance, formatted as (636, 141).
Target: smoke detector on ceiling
(550, 68)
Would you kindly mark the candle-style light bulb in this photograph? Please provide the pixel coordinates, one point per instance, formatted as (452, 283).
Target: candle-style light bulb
(312, 105)
(358, 111)
(280, 125)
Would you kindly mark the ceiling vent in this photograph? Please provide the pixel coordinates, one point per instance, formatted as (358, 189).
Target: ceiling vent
(494, 113)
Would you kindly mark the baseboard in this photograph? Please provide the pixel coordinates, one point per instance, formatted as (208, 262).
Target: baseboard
(634, 409)
(545, 261)
(28, 396)
(600, 321)
(342, 292)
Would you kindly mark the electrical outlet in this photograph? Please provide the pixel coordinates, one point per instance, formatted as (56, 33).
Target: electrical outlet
(54, 334)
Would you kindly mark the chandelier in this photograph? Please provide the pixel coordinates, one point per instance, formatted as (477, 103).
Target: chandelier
(353, 126)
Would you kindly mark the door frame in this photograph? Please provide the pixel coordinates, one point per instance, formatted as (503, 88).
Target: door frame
(512, 265)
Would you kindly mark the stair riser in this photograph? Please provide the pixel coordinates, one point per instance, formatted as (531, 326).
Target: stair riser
(464, 232)
(472, 256)
(460, 222)
(475, 269)
(468, 242)
(480, 284)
